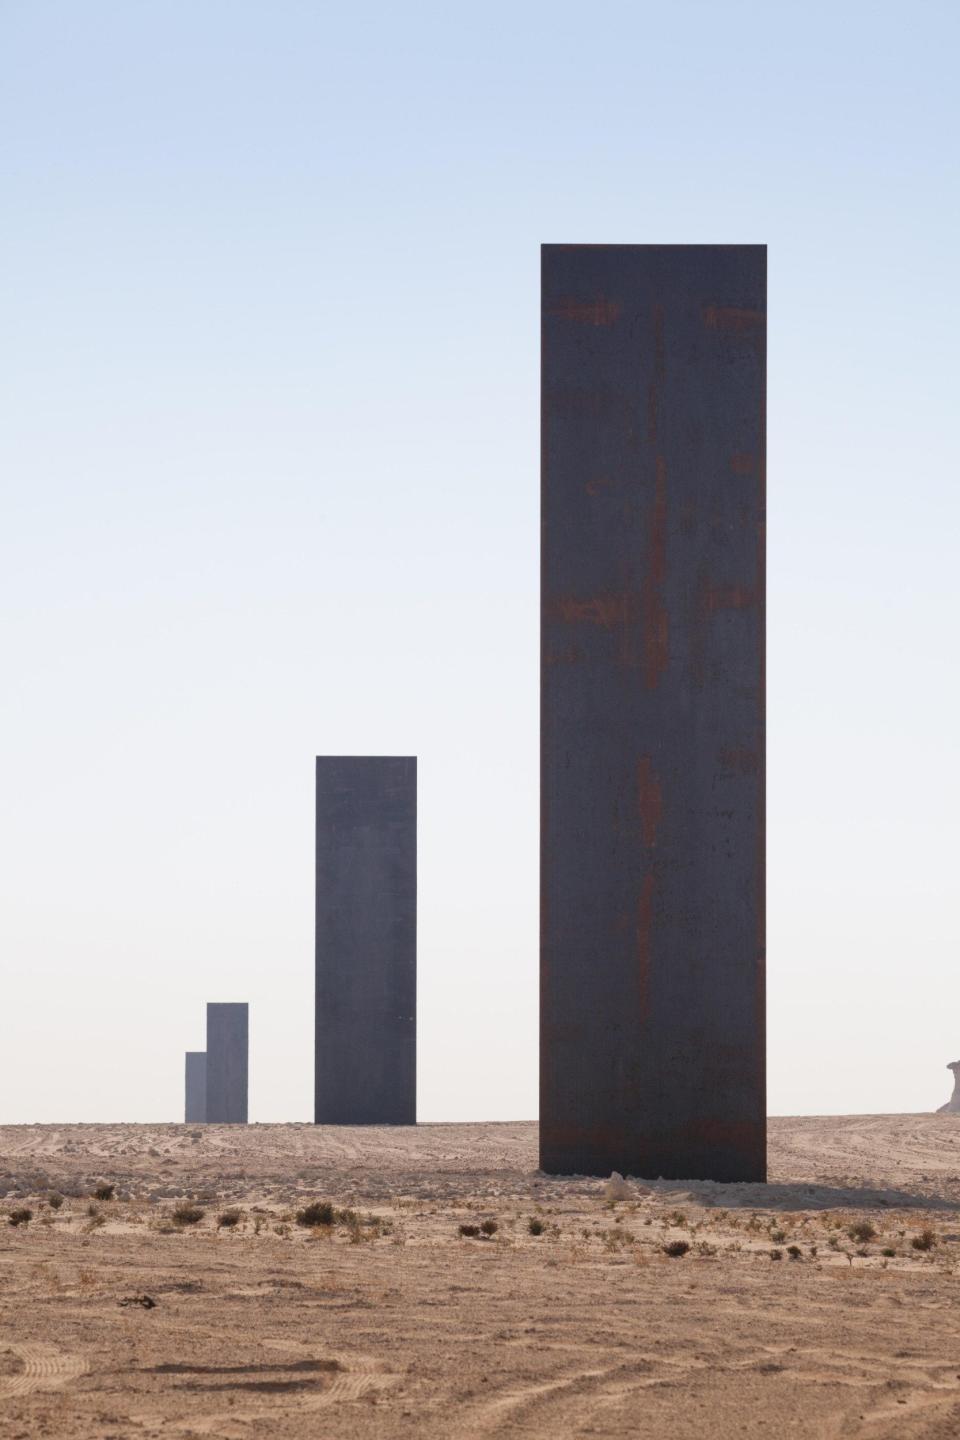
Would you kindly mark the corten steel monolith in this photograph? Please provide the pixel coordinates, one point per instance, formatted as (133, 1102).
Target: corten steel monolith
(195, 1088)
(652, 739)
(366, 941)
(227, 1063)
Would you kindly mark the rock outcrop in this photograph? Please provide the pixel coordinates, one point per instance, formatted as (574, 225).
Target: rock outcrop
(953, 1104)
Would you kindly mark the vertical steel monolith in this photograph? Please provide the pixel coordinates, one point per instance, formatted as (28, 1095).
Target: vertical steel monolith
(228, 1040)
(195, 1087)
(366, 940)
(652, 713)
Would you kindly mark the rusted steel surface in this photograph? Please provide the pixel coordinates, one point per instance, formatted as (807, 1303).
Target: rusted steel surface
(366, 941)
(652, 1048)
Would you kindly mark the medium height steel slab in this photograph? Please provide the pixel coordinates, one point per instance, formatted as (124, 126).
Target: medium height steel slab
(652, 717)
(366, 941)
(228, 1047)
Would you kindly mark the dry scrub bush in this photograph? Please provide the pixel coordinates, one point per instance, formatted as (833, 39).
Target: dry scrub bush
(103, 1192)
(187, 1214)
(321, 1212)
(862, 1231)
(228, 1218)
(676, 1249)
(21, 1216)
(925, 1240)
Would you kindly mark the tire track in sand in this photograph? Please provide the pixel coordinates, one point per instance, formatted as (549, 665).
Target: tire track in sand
(44, 1368)
(360, 1376)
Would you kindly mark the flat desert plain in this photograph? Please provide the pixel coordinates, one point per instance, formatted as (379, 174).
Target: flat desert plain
(826, 1303)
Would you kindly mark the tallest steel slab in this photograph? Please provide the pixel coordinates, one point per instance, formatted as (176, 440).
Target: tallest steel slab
(652, 717)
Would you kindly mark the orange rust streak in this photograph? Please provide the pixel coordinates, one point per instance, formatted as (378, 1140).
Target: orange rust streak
(743, 761)
(731, 317)
(659, 367)
(659, 345)
(649, 800)
(597, 312)
(644, 928)
(656, 628)
(605, 610)
(743, 464)
(729, 597)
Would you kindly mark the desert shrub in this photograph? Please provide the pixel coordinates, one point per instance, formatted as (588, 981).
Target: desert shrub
(228, 1218)
(676, 1217)
(321, 1212)
(55, 1200)
(20, 1216)
(778, 1236)
(888, 1252)
(535, 1226)
(489, 1227)
(676, 1249)
(794, 1252)
(862, 1230)
(187, 1214)
(103, 1192)
(776, 1254)
(469, 1231)
(925, 1240)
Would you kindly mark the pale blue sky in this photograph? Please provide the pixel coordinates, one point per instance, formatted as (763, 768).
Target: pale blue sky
(269, 469)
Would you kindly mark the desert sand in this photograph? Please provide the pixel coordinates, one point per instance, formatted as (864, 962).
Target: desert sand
(119, 1320)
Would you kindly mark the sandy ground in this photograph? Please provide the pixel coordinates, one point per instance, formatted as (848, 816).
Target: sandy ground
(118, 1321)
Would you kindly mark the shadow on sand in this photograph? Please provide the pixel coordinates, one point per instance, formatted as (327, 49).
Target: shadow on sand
(806, 1196)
